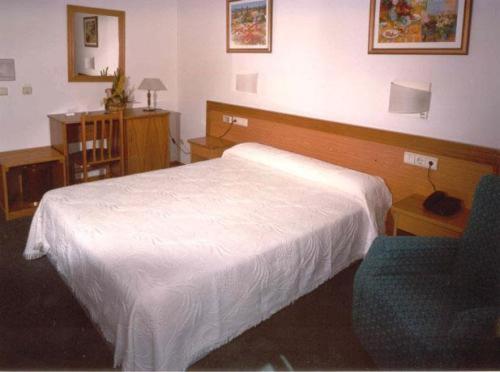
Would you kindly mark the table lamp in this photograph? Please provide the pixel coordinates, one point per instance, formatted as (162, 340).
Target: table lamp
(150, 84)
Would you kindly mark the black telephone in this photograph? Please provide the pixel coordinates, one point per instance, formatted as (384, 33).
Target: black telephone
(440, 203)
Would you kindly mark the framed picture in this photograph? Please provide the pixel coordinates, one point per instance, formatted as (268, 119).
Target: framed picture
(419, 26)
(249, 26)
(90, 31)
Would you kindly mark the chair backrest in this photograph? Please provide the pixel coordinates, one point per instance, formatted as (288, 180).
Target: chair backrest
(102, 141)
(477, 265)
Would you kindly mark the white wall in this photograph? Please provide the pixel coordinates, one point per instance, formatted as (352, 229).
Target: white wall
(320, 68)
(33, 32)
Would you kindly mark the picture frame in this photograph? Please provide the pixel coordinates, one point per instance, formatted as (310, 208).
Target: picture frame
(419, 26)
(249, 26)
(91, 31)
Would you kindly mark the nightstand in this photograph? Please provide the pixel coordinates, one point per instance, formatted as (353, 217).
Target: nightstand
(410, 216)
(205, 148)
(25, 175)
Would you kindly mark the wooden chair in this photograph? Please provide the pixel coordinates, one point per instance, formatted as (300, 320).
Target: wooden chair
(102, 147)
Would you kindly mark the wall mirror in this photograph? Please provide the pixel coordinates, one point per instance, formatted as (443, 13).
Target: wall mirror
(96, 43)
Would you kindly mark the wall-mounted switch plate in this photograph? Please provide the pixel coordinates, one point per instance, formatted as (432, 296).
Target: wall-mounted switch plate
(420, 160)
(240, 121)
(227, 119)
(27, 90)
(4, 91)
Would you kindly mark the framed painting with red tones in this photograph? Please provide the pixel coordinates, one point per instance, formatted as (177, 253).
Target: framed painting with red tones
(419, 26)
(249, 26)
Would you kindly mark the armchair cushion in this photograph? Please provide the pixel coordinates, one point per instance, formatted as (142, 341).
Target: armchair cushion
(419, 309)
(406, 255)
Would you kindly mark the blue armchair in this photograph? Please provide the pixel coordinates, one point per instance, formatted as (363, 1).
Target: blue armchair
(423, 303)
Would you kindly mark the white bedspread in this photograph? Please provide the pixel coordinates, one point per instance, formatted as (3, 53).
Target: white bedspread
(174, 263)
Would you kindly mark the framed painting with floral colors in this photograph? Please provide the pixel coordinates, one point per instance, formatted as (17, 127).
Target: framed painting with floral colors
(419, 26)
(249, 26)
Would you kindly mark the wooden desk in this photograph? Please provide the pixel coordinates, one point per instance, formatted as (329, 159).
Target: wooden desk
(146, 138)
(411, 216)
(205, 148)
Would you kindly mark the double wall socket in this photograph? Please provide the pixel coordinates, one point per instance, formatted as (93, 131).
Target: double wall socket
(235, 120)
(420, 160)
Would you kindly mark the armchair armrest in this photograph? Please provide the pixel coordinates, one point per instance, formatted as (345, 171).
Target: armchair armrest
(475, 326)
(410, 255)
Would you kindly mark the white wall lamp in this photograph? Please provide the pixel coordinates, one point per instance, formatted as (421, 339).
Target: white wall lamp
(89, 63)
(247, 83)
(410, 98)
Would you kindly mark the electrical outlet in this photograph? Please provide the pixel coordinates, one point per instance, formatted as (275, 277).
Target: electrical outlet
(227, 119)
(27, 90)
(420, 160)
(240, 121)
(4, 91)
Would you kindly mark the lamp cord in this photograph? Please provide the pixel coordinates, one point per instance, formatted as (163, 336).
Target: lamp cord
(179, 146)
(227, 130)
(429, 175)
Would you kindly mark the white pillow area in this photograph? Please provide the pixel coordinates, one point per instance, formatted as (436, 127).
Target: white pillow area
(370, 190)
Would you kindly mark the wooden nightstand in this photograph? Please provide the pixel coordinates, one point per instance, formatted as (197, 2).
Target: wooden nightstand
(205, 148)
(25, 175)
(410, 216)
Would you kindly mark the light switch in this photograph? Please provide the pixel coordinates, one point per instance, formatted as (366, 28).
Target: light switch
(27, 90)
(4, 91)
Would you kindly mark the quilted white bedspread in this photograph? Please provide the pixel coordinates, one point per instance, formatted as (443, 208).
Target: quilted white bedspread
(174, 263)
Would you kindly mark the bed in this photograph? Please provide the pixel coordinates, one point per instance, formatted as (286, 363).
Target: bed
(173, 263)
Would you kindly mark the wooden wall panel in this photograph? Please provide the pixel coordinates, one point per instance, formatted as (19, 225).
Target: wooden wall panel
(368, 150)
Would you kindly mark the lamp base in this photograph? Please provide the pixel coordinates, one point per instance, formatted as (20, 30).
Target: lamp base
(149, 109)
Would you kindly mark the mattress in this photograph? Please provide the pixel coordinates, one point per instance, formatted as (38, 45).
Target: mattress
(173, 263)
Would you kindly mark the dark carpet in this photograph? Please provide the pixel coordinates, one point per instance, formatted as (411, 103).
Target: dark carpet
(43, 327)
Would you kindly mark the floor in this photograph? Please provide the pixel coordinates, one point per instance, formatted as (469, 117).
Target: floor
(43, 327)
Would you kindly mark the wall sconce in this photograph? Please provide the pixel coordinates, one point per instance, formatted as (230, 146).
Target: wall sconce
(410, 98)
(89, 63)
(247, 83)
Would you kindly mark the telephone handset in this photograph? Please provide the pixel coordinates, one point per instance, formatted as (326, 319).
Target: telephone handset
(440, 203)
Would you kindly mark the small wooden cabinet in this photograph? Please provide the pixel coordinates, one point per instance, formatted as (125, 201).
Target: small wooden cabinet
(205, 148)
(146, 143)
(25, 175)
(146, 138)
(410, 216)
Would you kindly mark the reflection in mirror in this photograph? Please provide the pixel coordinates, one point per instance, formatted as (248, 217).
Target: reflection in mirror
(95, 43)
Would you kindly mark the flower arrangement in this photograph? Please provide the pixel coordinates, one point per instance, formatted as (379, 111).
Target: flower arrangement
(116, 96)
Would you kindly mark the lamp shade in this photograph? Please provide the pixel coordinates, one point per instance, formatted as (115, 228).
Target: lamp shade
(409, 98)
(152, 84)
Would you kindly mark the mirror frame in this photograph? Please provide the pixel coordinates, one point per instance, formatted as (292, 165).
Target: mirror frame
(71, 10)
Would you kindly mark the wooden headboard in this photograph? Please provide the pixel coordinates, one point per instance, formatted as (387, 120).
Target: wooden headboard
(372, 151)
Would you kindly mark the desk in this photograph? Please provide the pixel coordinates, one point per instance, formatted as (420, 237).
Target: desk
(146, 139)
